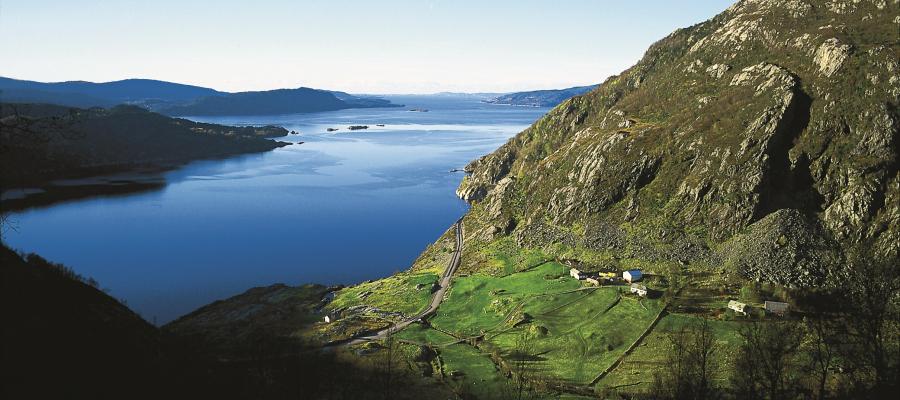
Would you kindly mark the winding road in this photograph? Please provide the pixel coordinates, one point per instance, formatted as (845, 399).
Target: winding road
(436, 299)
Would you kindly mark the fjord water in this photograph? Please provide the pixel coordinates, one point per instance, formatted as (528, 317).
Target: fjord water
(342, 207)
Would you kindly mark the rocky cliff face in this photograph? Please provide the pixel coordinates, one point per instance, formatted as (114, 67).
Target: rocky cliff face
(762, 139)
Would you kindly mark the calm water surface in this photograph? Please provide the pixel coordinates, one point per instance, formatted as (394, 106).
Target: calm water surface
(341, 208)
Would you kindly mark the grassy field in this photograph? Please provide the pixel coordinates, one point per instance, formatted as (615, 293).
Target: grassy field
(462, 367)
(479, 303)
(421, 334)
(703, 296)
(636, 371)
(473, 372)
(575, 331)
(500, 257)
(396, 293)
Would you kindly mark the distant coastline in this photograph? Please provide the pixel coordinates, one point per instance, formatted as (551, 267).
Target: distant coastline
(539, 98)
(175, 99)
(53, 149)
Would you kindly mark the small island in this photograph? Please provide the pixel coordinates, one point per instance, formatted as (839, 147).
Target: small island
(357, 127)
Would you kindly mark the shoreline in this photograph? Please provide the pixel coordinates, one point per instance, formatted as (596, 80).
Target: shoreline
(106, 181)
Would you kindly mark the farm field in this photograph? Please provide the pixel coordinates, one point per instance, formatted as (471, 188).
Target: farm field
(636, 371)
(569, 332)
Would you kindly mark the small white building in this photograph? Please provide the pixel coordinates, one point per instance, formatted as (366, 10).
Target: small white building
(577, 274)
(632, 275)
(327, 319)
(639, 289)
(776, 307)
(738, 307)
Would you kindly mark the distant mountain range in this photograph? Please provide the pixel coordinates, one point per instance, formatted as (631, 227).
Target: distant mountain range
(178, 99)
(540, 98)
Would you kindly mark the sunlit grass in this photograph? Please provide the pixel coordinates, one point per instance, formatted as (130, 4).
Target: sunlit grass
(397, 293)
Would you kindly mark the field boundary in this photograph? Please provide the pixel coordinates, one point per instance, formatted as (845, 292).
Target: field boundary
(631, 348)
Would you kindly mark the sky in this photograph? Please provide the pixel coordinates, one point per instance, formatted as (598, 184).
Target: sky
(391, 46)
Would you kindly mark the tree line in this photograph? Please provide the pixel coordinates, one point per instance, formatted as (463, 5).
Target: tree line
(845, 345)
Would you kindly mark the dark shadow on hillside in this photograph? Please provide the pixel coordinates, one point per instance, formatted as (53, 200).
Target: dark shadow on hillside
(790, 184)
(62, 338)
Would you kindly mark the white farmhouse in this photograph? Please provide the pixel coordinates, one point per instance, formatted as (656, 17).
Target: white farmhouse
(577, 274)
(738, 307)
(632, 275)
(639, 289)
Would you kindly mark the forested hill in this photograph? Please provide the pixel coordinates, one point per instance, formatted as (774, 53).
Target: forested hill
(540, 98)
(60, 327)
(272, 102)
(178, 99)
(42, 142)
(89, 94)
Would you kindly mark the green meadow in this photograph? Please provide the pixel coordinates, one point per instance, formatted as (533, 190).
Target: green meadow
(572, 331)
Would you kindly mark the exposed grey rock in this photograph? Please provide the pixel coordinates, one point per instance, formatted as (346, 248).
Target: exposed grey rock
(717, 70)
(830, 56)
(787, 248)
(694, 67)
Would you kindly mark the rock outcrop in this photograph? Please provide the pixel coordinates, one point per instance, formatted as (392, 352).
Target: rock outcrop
(831, 55)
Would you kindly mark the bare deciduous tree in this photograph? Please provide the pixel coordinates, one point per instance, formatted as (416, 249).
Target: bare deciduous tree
(872, 319)
(821, 348)
(688, 371)
(764, 366)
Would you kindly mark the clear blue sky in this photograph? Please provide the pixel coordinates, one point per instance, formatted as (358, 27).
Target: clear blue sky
(403, 46)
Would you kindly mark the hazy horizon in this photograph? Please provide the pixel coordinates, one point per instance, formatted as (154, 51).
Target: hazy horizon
(319, 88)
(403, 47)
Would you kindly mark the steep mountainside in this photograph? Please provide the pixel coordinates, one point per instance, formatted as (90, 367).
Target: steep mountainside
(540, 98)
(763, 141)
